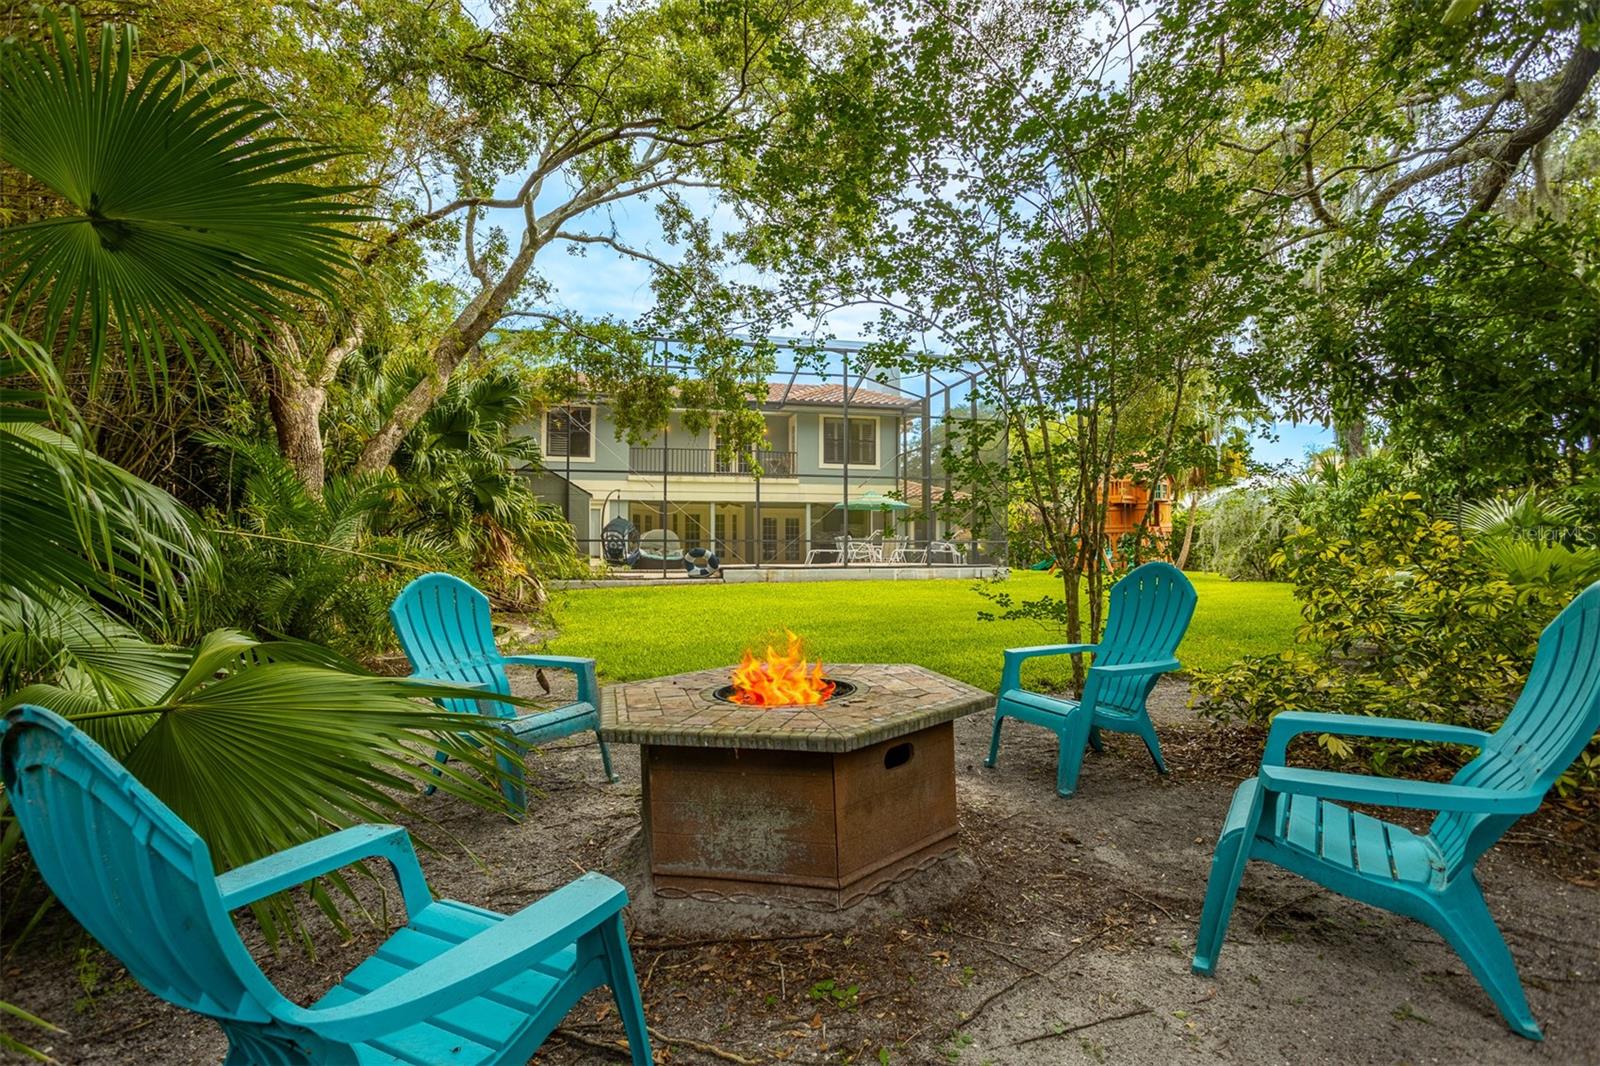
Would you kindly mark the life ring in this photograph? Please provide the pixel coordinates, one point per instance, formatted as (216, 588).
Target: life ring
(701, 562)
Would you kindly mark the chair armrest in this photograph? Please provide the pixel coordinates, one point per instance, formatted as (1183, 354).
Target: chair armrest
(1395, 792)
(1011, 673)
(1048, 649)
(1154, 666)
(427, 681)
(256, 880)
(588, 683)
(1098, 673)
(1289, 724)
(480, 962)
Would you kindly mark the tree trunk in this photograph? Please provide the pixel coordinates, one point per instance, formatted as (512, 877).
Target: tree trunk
(1188, 532)
(1352, 438)
(1570, 89)
(297, 393)
(449, 353)
(296, 409)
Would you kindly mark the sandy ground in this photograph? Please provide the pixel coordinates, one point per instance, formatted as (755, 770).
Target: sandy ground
(1061, 933)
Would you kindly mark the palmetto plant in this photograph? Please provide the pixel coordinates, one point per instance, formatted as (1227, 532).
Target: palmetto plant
(313, 565)
(177, 217)
(175, 214)
(74, 524)
(461, 472)
(1524, 538)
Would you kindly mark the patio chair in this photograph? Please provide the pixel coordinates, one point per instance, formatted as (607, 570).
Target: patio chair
(444, 628)
(1295, 818)
(837, 551)
(458, 984)
(947, 548)
(658, 547)
(907, 552)
(858, 550)
(1150, 611)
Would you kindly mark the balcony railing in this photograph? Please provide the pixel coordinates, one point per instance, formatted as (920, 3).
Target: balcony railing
(705, 462)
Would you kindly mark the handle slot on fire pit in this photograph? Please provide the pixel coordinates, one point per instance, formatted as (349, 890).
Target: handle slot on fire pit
(898, 755)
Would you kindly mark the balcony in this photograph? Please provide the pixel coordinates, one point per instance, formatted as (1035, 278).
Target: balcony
(704, 462)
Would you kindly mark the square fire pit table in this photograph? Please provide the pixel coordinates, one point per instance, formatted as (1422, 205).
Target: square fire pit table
(823, 805)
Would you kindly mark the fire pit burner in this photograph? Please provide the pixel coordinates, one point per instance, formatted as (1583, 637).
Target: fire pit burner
(841, 689)
(822, 804)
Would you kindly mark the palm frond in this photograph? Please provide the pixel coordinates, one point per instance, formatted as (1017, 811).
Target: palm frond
(1532, 563)
(71, 520)
(181, 211)
(1520, 515)
(312, 747)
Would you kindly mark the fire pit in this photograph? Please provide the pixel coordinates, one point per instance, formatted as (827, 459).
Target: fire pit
(822, 803)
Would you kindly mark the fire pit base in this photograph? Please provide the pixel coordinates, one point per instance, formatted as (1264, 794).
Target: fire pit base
(819, 805)
(828, 828)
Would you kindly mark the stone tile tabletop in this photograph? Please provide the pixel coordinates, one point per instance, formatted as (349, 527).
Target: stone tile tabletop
(890, 700)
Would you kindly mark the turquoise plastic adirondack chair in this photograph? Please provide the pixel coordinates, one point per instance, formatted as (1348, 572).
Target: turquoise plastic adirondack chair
(1150, 610)
(457, 985)
(1293, 818)
(443, 624)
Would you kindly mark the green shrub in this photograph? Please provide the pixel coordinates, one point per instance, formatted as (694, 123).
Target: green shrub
(1408, 620)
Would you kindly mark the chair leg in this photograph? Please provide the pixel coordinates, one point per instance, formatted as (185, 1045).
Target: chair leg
(1074, 736)
(440, 758)
(1147, 730)
(994, 741)
(605, 757)
(625, 990)
(1227, 870)
(1464, 920)
(512, 783)
(1094, 740)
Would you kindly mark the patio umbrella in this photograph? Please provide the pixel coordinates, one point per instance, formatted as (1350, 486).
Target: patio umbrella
(872, 501)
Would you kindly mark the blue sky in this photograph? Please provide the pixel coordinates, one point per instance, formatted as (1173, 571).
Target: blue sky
(1292, 442)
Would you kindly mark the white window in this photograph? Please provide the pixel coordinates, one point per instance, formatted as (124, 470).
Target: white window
(861, 439)
(569, 433)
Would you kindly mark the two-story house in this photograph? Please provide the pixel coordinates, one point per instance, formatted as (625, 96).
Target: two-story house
(823, 447)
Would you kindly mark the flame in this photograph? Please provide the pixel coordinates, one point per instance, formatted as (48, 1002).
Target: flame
(783, 680)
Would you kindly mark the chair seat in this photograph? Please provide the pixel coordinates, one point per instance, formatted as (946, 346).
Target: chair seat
(1038, 701)
(477, 1031)
(1355, 842)
(1063, 706)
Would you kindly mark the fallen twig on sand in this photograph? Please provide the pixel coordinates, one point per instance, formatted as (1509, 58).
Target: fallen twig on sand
(1086, 1025)
(705, 1049)
(1271, 911)
(982, 1006)
(1150, 901)
(619, 1045)
(674, 945)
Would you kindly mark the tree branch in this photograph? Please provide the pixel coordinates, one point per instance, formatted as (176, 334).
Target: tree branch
(1576, 75)
(612, 243)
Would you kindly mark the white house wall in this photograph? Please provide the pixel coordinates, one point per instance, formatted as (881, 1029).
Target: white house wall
(815, 487)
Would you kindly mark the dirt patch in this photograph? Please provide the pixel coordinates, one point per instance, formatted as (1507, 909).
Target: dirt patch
(1061, 934)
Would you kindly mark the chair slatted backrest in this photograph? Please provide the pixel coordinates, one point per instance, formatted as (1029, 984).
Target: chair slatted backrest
(132, 873)
(444, 627)
(1553, 719)
(1149, 613)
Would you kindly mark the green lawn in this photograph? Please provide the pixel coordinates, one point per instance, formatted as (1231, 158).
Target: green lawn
(648, 632)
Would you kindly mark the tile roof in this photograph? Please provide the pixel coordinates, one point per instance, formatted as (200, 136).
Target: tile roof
(833, 396)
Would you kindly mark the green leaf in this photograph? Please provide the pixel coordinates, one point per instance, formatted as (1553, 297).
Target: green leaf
(1460, 11)
(181, 215)
(73, 521)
